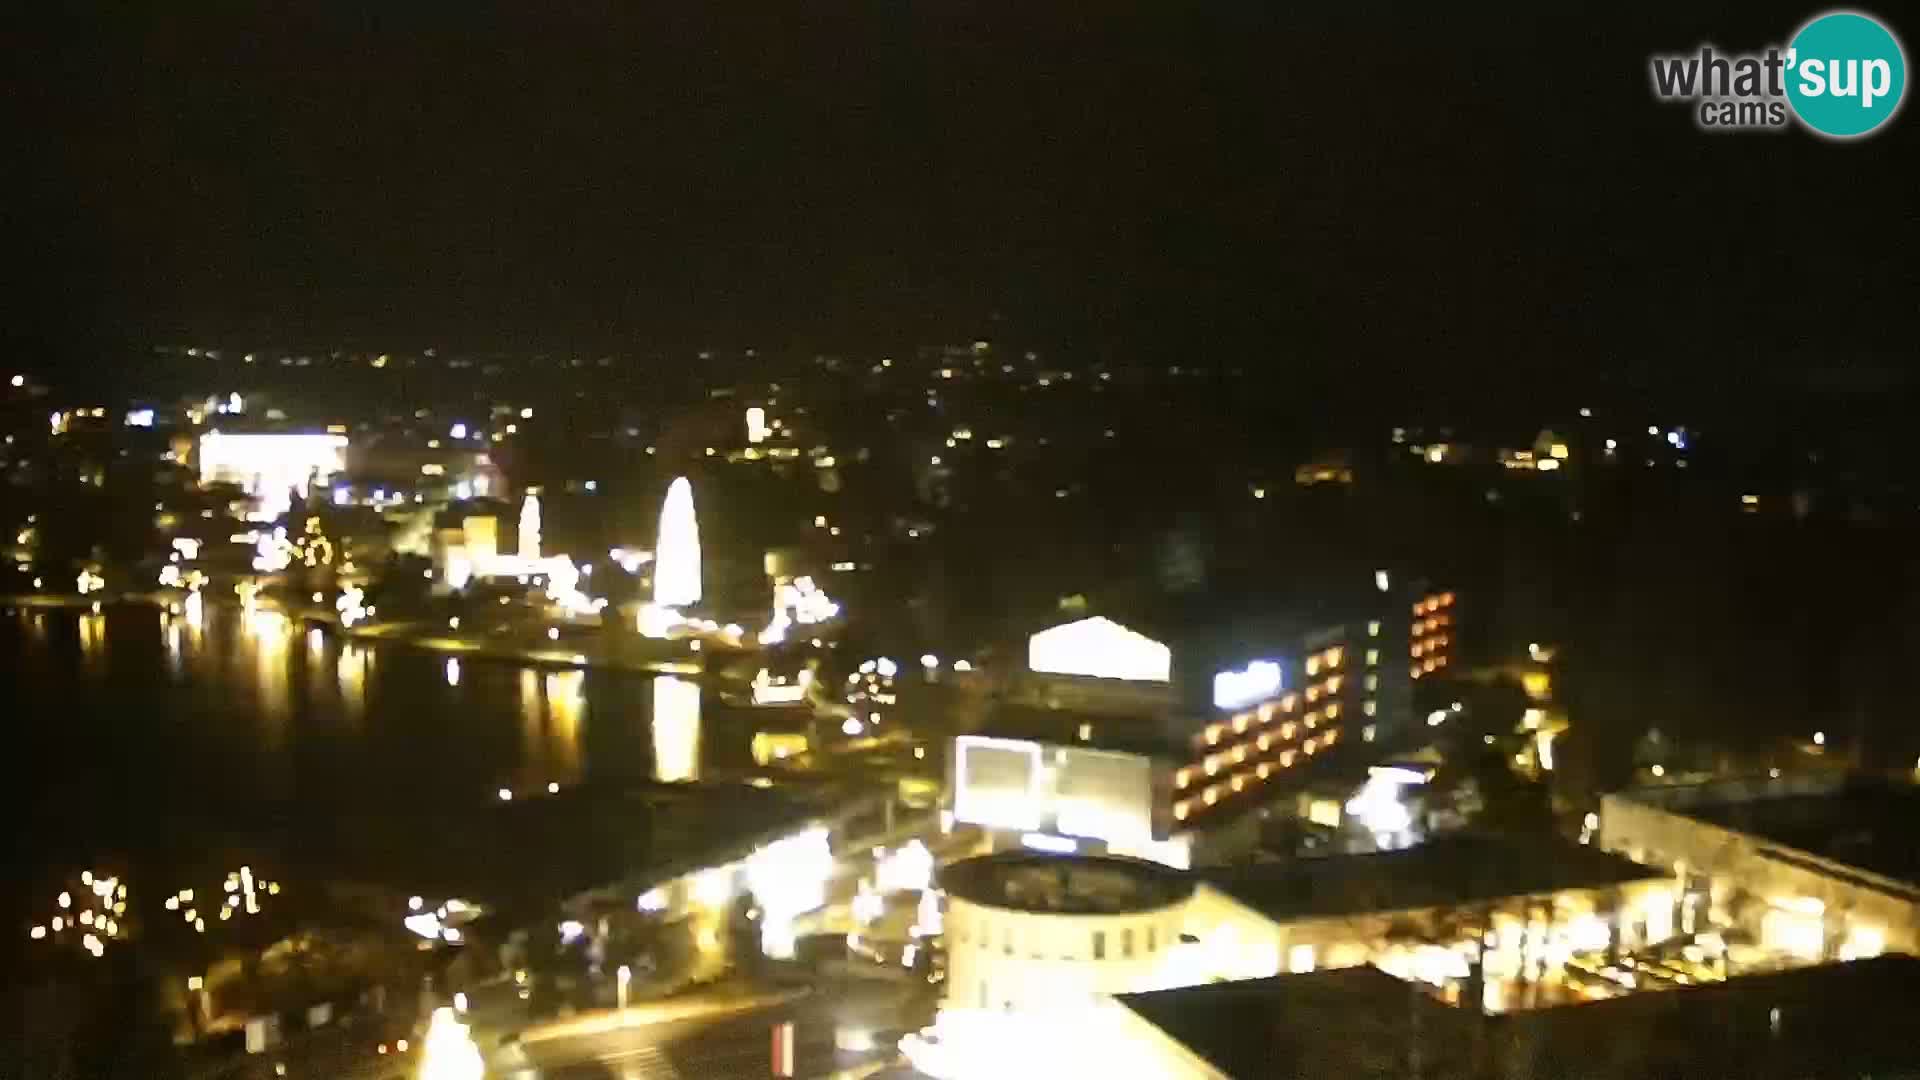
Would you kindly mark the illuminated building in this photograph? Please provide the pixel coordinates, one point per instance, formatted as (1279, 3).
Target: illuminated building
(270, 466)
(1431, 643)
(1037, 933)
(1099, 648)
(1231, 715)
(1063, 797)
(1521, 907)
(1817, 867)
(471, 551)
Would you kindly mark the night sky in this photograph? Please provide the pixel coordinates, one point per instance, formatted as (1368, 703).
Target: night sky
(1401, 191)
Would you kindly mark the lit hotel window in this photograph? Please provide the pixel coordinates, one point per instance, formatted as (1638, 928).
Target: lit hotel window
(1313, 665)
(1179, 811)
(1335, 655)
(1373, 628)
(1372, 683)
(1373, 657)
(1182, 778)
(1369, 707)
(1286, 731)
(1333, 709)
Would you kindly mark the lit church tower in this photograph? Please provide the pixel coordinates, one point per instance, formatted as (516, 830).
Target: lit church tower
(676, 559)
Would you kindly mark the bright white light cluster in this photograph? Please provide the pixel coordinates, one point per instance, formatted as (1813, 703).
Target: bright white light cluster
(1100, 648)
(799, 603)
(268, 466)
(788, 878)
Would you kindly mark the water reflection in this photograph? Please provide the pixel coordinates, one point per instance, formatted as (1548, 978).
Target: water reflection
(93, 640)
(351, 671)
(676, 729)
(226, 703)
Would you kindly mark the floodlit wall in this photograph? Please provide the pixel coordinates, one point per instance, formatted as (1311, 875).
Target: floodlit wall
(998, 958)
(1099, 648)
(1753, 878)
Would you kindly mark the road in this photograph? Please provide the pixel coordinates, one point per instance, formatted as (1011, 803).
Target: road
(733, 1045)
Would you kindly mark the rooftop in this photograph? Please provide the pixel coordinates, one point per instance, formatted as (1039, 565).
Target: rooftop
(1863, 823)
(1351, 1022)
(1065, 884)
(1146, 736)
(1834, 1020)
(1448, 870)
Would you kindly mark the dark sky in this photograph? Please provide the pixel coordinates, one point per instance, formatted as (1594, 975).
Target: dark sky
(1391, 187)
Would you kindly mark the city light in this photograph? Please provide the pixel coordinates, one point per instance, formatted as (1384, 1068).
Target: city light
(787, 879)
(1259, 680)
(449, 1052)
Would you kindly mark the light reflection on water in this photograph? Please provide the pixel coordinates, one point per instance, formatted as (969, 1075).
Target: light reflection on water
(222, 714)
(676, 729)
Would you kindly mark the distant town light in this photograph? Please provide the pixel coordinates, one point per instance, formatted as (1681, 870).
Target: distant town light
(506, 794)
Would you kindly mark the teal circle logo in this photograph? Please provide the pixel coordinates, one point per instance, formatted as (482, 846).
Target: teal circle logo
(1846, 74)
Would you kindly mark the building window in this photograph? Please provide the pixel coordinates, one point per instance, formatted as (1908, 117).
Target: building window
(1373, 657)
(1099, 944)
(1153, 938)
(1126, 943)
(1373, 628)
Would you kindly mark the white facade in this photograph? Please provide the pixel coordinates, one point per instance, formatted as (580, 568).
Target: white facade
(1037, 958)
(1099, 648)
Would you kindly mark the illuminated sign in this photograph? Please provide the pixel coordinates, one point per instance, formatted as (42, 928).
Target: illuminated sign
(1068, 791)
(1258, 681)
(1100, 648)
(998, 782)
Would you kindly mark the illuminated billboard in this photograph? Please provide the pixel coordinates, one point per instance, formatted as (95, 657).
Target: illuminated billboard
(1099, 648)
(997, 782)
(1069, 790)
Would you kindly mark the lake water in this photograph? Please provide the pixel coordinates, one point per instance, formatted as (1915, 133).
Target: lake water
(137, 733)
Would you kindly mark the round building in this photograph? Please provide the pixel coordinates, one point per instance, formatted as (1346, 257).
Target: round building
(1029, 930)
